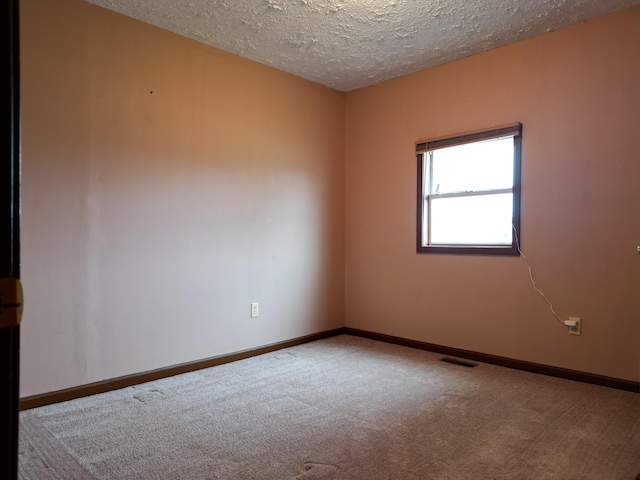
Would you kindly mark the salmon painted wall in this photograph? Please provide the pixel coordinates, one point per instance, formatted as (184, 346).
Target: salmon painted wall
(577, 93)
(166, 186)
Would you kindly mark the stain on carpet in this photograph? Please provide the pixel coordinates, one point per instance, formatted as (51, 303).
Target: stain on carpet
(283, 355)
(318, 471)
(452, 401)
(149, 396)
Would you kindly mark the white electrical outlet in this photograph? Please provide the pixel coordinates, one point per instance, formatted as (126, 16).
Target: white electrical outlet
(254, 309)
(574, 325)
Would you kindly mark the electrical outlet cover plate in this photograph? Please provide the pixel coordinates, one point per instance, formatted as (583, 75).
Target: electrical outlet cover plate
(254, 309)
(575, 330)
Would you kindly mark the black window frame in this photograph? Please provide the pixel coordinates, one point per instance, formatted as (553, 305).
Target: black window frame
(423, 147)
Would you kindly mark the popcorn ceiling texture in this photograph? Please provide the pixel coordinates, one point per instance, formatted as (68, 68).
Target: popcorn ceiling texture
(350, 44)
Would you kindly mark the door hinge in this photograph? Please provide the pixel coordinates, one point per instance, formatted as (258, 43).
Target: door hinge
(10, 302)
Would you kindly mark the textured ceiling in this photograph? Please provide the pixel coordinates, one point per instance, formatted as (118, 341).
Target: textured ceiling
(349, 44)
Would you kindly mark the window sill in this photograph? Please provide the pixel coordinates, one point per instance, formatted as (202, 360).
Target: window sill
(501, 250)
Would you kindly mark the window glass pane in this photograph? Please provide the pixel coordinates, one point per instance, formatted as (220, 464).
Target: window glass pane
(473, 167)
(474, 220)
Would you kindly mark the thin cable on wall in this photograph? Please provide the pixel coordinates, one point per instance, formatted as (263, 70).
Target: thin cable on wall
(533, 282)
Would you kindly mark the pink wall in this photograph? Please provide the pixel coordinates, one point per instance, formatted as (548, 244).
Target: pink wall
(577, 93)
(152, 221)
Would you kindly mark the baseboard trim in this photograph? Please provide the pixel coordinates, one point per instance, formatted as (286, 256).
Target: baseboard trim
(575, 375)
(138, 378)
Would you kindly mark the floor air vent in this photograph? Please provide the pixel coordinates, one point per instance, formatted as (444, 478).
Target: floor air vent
(457, 361)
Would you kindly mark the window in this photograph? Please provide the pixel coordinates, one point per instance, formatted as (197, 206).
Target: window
(469, 193)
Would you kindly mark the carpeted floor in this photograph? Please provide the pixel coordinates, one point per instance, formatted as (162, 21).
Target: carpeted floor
(342, 408)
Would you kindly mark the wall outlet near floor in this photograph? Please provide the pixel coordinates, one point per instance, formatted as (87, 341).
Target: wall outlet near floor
(573, 324)
(254, 309)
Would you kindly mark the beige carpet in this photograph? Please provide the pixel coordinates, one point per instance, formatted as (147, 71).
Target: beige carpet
(341, 408)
